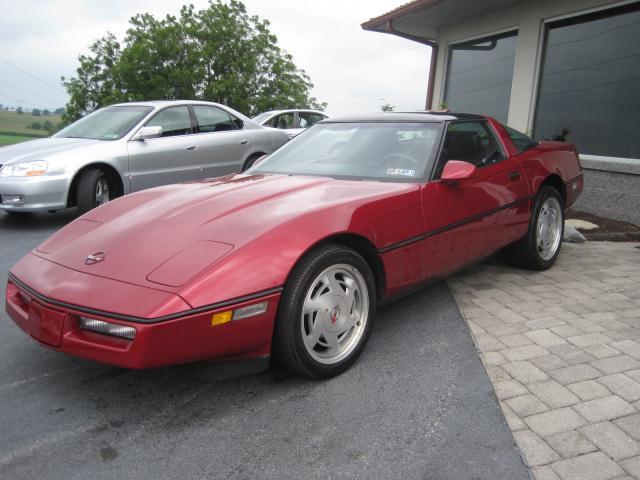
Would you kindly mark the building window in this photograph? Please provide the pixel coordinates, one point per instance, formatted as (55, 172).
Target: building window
(589, 89)
(480, 75)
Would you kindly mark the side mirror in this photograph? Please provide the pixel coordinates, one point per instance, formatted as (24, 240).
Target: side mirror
(455, 170)
(146, 133)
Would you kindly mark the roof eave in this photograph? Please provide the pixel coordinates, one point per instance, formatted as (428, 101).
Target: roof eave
(377, 24)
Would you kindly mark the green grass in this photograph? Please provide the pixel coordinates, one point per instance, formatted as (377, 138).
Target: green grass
(11, 139)
(12, 123)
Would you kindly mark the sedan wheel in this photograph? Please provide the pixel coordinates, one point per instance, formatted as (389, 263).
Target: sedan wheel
(102, 191)
(93, 190)
(326, 312)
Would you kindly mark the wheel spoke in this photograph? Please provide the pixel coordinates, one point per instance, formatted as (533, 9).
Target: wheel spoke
(334, 285)
(350, 294)
(351, 321)
(312, 305)
(332, 341)
(317, 330)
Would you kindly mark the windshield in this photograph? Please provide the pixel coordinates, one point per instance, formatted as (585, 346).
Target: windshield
(110, 123)
(397, 152)
(262, 116)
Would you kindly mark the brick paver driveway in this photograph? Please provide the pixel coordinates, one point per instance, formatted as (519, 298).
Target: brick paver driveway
(562, 349)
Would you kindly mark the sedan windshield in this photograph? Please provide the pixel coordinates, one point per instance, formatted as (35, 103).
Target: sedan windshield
(110, 123)
(398, 152)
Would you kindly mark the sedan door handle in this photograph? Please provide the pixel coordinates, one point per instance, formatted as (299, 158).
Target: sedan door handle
(243, 142)
(191, 147)
(513, 176)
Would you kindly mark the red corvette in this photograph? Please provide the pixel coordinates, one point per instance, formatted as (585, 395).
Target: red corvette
(291, 257)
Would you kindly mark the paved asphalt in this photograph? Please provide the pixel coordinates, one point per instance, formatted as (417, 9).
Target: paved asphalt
(417, 405)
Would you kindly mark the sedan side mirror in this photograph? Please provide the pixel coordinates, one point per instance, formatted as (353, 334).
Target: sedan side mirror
(145, 133)
(455, 170)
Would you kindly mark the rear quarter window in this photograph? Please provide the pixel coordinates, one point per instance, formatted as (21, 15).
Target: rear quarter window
(521, 141)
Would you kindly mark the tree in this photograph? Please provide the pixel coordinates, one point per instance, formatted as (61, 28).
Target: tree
(36, 112)
(46, 113)
(59, 111)
(49, 127)
(220, 54)
(36, 126)
(19, 111)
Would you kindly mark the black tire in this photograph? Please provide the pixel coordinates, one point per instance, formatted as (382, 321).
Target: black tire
(86, 198)
(289, 350)
(251, 160)
(525, 252)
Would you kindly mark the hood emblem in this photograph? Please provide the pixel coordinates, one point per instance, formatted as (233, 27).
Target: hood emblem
(95, 258)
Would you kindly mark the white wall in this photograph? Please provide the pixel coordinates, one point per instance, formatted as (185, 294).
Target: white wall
(528, 18)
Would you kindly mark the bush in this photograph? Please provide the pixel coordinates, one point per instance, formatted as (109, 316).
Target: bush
(36, 126)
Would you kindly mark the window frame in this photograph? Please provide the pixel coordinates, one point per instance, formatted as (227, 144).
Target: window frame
(596, 13)
(162, 110)
(490, 130)
(294, 122)
(196, 123)
(321, 115)
(451, 46)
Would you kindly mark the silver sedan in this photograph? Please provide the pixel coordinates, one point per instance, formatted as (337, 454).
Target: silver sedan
(128, 147)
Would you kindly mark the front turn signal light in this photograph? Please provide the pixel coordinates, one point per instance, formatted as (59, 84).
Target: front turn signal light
(221, 317)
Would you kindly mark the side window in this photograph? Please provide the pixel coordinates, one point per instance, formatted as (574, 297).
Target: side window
(307, 119)
(471, 142)
(174, 121)
(283, 121)
(521, 141)
(214, 119)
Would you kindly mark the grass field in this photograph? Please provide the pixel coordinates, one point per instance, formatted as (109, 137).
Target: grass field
(11, 139)
(14, 128)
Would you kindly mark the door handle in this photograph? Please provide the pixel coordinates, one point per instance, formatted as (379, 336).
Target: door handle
(191, 147)
(243, 142)
(513, 176)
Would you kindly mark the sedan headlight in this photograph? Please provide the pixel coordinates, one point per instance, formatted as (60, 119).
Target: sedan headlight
(24, 169)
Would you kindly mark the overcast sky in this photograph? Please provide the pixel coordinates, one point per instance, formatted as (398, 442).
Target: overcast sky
(351, 69)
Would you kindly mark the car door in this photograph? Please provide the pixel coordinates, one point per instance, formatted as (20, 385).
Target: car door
(171, 158)
(469, 219)
(223, 141)
(287, 122)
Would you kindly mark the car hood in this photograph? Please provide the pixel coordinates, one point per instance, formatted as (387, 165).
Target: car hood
(165, 236)
(43, 149)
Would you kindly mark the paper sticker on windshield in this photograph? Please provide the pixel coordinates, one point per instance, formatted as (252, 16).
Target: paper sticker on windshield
(403, 172)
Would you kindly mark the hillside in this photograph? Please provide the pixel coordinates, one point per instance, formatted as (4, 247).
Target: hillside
(15, 128)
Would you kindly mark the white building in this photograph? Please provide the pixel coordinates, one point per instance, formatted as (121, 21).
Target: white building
(551, 68)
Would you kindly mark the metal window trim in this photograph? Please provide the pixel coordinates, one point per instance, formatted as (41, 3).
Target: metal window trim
(510, 31)
(573, 18)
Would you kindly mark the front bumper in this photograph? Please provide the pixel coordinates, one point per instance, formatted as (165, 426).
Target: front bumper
(43, 193)
(185, 337)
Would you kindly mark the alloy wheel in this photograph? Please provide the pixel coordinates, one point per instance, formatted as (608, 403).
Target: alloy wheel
(334, 313)
(549, 228)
